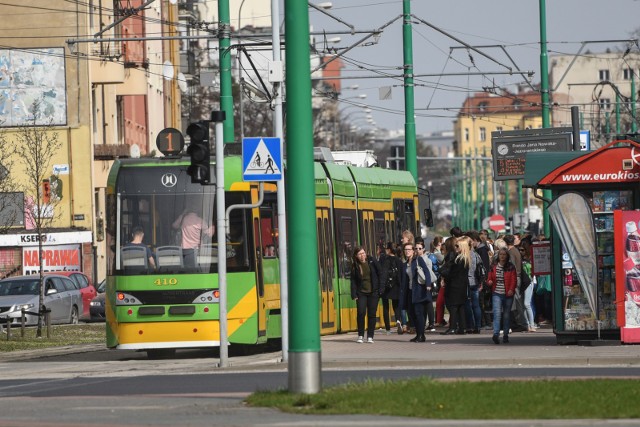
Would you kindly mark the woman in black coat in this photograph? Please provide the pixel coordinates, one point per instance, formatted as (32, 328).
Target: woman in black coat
(365, 289)
(390, 280)
(413, 292)
(456, 277)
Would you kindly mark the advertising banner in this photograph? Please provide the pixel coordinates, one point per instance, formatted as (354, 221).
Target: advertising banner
(54, 258)
(627, 254)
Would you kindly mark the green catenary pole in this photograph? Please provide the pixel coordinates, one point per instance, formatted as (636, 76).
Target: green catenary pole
(478, 215)
(304, 300)
(224, 55)
(411, 161)
(544, 92)
(485, 179)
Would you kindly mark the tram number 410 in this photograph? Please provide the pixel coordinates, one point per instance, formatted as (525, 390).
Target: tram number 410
(165, 282)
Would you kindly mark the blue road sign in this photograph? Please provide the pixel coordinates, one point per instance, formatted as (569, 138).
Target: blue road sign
(261, 159)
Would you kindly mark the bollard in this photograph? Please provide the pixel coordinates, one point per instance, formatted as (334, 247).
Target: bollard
(22, 322)
(47, 319)
(8, 329)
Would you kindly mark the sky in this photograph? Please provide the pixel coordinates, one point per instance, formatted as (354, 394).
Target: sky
(513, 24)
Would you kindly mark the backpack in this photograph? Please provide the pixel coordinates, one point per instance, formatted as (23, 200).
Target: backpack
(481, 272)
(525, 278)
(392, 278)
(434, 263)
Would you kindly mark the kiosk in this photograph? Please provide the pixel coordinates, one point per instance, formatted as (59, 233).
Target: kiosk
(591, 306)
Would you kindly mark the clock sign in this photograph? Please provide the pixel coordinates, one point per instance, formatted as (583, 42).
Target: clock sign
(503, 149)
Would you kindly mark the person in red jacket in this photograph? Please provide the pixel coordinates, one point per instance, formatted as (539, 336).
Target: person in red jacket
(503, 280)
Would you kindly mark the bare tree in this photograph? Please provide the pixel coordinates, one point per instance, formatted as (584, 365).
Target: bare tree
(35, 146)
(10, 200)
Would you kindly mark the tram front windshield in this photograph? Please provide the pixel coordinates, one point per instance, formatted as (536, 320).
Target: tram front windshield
(172, 231)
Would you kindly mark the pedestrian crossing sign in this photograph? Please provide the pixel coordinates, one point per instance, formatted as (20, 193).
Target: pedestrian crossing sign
(261, 159)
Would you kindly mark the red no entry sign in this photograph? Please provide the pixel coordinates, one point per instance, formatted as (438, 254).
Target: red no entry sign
(496, 222)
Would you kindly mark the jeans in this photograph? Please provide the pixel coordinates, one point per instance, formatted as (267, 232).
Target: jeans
(501, 304)
(528, 312)
(367, 306)
(385, 312)
(440, 307)
(419, 317)
(472, 309)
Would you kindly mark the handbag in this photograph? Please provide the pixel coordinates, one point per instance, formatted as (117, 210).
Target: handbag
(422, 279)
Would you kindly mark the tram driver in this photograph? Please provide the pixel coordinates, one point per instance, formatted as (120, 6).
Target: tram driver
(137, 235)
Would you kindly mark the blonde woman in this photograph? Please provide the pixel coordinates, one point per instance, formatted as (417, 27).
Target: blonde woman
(457, 287)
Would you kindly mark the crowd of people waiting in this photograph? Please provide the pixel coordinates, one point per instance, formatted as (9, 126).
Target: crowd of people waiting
(482, 283)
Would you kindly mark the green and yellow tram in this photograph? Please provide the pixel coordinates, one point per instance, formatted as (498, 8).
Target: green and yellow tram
(171, 301)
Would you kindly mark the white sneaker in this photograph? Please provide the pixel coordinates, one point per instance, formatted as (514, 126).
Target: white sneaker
(369, 340)
(360, 340)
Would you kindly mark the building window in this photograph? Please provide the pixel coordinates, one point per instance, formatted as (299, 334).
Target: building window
(603, 75)
(516, 105)
(627, 73)
(605, 103)
(483, 134)
(482, 106)
(466, 134)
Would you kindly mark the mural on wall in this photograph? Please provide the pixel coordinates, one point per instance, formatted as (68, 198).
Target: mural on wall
(30, 75)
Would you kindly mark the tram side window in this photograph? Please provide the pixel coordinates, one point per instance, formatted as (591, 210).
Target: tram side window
(345, 251)
(329, 252)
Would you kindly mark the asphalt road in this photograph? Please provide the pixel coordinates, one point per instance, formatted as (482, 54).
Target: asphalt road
(90, 386)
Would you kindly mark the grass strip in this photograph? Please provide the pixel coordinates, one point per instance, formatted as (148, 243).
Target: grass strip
(61, 335)
(504, 399)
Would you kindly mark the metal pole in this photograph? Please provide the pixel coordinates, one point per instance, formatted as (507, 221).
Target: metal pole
(282, 214)
(506, 203)
(304, 298)
(478, 215)
(520, 200)
(544, 92)
(575, 124)
(485, 178)
(617, 114)
(411, 162)
(224, 55)
(221, 231)
(634, 125)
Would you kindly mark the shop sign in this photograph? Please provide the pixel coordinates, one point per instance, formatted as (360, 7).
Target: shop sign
(54, 258)
(32, 239)
(611, 165)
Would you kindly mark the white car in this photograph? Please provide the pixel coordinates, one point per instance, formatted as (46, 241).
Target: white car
(62, 297)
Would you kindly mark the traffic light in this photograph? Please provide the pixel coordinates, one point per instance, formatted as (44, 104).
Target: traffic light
(198, 150)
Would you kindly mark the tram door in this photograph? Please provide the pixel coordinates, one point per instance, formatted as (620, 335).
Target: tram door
(260, 288)
(326, 271)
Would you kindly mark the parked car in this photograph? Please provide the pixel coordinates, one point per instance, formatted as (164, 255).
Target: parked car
(61, 296)
(87, 289)
(97, 304)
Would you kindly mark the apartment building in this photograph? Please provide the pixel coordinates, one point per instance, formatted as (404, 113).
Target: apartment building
(106, 98)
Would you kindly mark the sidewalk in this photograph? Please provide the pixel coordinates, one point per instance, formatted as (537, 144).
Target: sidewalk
(526, 348)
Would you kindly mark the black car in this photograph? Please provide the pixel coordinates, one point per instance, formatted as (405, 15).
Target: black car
(96, 307)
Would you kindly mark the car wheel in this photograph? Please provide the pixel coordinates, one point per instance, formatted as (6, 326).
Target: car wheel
(74, 316)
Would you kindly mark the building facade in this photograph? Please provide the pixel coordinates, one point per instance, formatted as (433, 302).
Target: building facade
(104, 97)
(600, 85)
